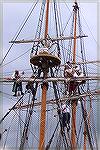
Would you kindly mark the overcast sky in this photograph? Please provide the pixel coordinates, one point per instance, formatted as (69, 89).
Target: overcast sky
(14, 14)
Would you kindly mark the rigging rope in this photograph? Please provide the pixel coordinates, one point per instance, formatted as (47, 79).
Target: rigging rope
(29, 115)
(38, 33)
(69, 53)
(15, 58)
(8, 131)
(57, 24)
(22, 26)
(94, 127)
(85, 121)
(80, 130)
(66, 24)
(28, 129)
(18, 128)
(82, 44)
(50, 141)
(11, 109)
(91, 31)
(91, 109)
(65, 141)
(83, 51)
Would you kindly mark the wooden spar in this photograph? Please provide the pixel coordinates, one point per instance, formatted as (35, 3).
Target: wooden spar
(51, 79)
(42, 39)
(63, 99)
(73, 130)
(88, 62)
(44, 92)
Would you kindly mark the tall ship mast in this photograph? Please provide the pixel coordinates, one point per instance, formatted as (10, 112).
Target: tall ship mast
(56, 110)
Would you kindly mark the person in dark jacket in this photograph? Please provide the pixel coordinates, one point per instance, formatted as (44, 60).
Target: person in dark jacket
(17, 83)
(66, 116)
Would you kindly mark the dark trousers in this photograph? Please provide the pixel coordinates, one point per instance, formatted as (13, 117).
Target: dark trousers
(65, 119)
(18, 86)
(72, 87)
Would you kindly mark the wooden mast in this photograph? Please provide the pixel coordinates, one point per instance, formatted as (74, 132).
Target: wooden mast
(44, 92)
(74, 49)
(73, 131)
(46, 21)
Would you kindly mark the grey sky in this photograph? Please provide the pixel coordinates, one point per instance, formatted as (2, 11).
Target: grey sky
(14, 14)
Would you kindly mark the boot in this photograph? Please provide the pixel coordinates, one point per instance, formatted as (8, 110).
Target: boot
(15, 95)
(22, 93)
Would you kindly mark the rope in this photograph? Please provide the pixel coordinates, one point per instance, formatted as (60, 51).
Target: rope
(93, 125)
(29, 116)
(65, 139)
(22, 26)
(28, 129)
(15, 58)
(79, 130)
(8, 131)
(57, 24)
(10, 109)
(67, 23)
(86, 124)
(50, 141)
(69, 53)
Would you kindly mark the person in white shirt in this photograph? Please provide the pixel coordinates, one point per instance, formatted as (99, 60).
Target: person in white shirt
(78, 73)
(66, 116)
(68, 70)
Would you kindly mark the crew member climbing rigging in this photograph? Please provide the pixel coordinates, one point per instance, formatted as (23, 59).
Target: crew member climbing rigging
(17, 86)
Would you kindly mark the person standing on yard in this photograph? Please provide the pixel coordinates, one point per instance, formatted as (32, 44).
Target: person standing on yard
(17, 83)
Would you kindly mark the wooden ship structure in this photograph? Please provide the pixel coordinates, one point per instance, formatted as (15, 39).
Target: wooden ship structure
(39, 121)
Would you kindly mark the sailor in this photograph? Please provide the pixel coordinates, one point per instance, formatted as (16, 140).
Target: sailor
(74, 84)
(66, 116)
(68, 73)
(68, 70)
(30, 86)
(17, 84)
(78, 73)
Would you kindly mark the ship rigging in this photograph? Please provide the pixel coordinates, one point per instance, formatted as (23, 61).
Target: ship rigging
(38, 113)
